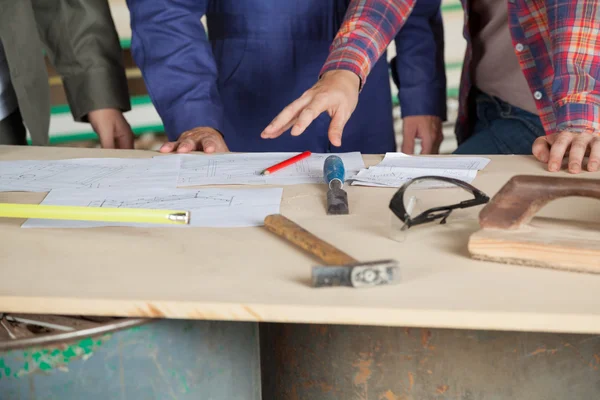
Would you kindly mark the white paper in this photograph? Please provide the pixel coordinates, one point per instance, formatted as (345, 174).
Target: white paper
(396, 177)
(217, 208)
(401, 160)
(245, 169)
(397, 168)
(87, 173)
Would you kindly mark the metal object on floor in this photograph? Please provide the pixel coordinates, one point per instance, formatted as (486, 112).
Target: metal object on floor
(331, 362)
(18, 331)
(160, 359)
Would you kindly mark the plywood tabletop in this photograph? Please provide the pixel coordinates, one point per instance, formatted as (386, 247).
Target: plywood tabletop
(250, 275)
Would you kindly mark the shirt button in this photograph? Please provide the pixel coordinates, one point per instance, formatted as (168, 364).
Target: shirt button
(537, 95)
(519, 47)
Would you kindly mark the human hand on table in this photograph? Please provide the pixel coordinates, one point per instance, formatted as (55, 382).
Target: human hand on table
(202, 138)
(428, 128)
(112, 128)
(336, 92)
(551, 149)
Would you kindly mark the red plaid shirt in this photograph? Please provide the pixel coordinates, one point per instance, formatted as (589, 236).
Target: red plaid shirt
(557, 43)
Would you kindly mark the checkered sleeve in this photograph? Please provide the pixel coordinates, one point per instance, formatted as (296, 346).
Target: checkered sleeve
(368, 28)
(574, 27)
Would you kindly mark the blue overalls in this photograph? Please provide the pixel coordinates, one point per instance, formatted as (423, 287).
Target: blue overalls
(260, 55)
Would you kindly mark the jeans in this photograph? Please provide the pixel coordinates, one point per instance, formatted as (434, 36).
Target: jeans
(501, 128)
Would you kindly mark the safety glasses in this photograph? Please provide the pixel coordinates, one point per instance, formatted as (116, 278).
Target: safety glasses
(403, 202)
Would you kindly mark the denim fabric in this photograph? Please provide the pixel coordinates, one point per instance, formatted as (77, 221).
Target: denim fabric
(501, 128)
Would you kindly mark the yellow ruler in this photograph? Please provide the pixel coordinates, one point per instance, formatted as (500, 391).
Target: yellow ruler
(137, 215)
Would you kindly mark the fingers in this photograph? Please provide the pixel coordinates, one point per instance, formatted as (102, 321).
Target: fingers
(187, 145)
(107, 139)
(336, 127)
(214, 144)
(594, 160)
(168, 147)
(309, 113)
(125, 138)
(541, 149)
(426, 142)
(286, 118)
(558, 150)
(409, 133)
(183, 145)
(579, 147)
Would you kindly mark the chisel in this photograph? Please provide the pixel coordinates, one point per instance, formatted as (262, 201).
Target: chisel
(334, 174)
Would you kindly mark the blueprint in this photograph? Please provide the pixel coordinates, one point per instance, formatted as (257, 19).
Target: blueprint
(87, 173)
(398, 168)
(245, 169)
(396, 177)
(401, 160)
(208, 207)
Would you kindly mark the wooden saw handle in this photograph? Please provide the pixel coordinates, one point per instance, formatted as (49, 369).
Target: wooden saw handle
(299, 236)
(524, 195)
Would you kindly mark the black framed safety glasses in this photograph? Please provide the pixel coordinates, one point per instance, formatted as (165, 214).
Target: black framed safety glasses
(397, 204)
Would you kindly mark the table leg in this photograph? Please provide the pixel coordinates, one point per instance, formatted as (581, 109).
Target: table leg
(324, 362)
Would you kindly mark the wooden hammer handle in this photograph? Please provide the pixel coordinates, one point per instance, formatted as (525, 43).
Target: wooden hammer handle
(299, 236)
(524, 195)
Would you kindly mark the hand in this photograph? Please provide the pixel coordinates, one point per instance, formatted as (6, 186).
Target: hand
(202, 138)
(552, 149)
(112, 128)
(425, 127)
(336, 92)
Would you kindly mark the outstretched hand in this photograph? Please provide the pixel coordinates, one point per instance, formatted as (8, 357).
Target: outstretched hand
(336, 92)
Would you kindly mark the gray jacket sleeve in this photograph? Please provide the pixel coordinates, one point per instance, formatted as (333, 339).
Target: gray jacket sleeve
(83, 45)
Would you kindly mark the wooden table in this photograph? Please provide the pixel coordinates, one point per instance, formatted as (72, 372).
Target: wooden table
(250, 275)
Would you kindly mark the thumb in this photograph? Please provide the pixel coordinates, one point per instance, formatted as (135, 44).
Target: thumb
(336, 128)
(541, 149)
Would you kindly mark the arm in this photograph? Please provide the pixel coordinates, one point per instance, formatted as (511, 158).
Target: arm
(419, 72)
(83, 45)
(418, 69)
(171, 48)
(368, 27)
(575, 50)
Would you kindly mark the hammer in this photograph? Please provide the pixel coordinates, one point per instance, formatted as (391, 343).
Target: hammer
(340, 268)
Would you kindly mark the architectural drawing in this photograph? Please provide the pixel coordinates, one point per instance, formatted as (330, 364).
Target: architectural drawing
(245, 169)
(42, 176)
(207, 207)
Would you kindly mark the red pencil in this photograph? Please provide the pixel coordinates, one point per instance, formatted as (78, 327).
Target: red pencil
(286, 163)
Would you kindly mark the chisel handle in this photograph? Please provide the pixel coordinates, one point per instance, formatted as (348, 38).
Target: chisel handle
(299, 236)
(333, 169)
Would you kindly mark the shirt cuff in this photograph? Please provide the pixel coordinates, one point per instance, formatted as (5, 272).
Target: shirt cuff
(190, 116)
(96, 89)
(578, 117)
(349, 59)
(423, 101)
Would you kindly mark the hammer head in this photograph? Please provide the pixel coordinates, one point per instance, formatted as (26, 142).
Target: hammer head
(358, 275)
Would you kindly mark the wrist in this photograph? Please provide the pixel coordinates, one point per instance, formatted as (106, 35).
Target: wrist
(344, 77)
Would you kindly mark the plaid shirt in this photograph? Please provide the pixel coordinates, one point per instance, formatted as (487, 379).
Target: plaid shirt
(557, 43)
